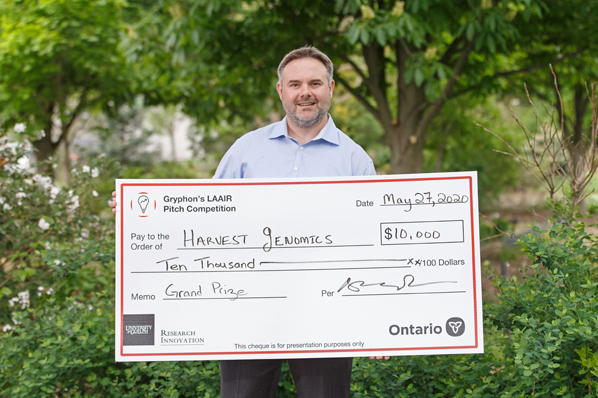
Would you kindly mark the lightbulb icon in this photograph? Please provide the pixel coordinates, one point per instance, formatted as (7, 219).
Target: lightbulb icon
(143, 202)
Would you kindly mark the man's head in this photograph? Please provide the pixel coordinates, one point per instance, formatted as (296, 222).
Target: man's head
(305, 86)
(307, 52)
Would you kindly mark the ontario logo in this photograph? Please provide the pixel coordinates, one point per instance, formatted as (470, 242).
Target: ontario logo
(454, 327)
(143, 204)
(138, 329)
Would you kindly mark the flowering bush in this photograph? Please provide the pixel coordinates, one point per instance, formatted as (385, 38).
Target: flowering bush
(46, 232)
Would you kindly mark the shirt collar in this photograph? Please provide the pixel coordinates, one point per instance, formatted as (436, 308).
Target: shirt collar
(328, 133)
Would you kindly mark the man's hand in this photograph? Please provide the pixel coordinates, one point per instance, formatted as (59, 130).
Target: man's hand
(385, 358)
(113, 202)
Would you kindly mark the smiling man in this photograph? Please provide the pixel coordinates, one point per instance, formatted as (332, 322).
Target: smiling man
(306, 143)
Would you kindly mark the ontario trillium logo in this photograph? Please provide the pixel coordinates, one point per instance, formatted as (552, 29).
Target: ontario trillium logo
(455, 326)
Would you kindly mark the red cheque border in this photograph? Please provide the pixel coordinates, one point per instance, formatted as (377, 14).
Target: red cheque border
(246, 182)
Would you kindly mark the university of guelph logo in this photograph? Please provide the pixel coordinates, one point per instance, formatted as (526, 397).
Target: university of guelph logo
(138, 329)
(455, 327)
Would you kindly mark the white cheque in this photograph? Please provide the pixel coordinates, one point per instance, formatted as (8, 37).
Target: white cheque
(318, 267)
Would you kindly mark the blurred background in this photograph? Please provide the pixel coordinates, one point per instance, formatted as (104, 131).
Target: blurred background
(94, 90)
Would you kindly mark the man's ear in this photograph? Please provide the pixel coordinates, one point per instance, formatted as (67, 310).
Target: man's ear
(331, 87)
(279, 89)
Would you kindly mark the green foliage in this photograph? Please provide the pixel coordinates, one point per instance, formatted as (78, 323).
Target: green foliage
(553, 314)
(58, 58)
(47, 233)
(67, 350)
(66, 347)
(401, 60)
(456, 144)
(430, 376)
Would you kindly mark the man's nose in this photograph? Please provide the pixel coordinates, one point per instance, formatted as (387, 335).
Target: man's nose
(305, 90)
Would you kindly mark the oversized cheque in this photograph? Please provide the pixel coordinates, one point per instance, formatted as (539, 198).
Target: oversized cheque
(319, 267)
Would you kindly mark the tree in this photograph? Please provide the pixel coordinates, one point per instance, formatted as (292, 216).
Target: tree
(567, 81)
(402, 60)
(57, 59)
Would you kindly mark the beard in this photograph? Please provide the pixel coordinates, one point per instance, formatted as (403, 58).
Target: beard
(322, 108)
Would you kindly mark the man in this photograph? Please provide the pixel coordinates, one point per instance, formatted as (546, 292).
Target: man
(306, 143)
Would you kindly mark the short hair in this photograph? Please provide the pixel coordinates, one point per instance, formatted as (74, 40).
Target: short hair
(307, 52)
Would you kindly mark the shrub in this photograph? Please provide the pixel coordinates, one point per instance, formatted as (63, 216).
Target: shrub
(47, 233)
(553, 315)
(66, 349)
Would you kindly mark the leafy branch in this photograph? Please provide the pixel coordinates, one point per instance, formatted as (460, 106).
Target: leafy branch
(553, 157)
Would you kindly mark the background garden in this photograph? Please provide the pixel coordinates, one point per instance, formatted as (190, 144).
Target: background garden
(89, 89)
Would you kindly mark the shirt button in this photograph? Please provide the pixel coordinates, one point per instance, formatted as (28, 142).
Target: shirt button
(301, 147)
(295, 169)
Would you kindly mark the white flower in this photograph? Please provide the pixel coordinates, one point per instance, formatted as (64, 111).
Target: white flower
(24, 298)
(57, 262)
(19, 128)
(54, 191)
(23, 163)
(12, 301)
(7, 207)
(41, 134)
(84, 233)
(1, 200)
(74, 203)
(47, 245)
(42, 181)
(95, 172)
(43, 224)
(86, 169)
(20, 195)
(94, 193)
(6, 328)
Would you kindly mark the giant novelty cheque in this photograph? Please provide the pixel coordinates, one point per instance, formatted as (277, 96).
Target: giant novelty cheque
(298, 268)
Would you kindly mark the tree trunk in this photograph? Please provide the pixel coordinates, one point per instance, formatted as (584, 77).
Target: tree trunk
(171, 132)
(406, 146)
(579, 147)
(44, 149)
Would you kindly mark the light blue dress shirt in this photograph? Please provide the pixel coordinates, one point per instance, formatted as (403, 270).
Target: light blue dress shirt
(269, 152)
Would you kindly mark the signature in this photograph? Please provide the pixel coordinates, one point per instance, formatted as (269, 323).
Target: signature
(408, 281)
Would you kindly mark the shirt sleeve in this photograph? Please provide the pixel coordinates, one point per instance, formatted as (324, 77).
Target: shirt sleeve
(370, 170)
(365, 165)
(229, 165)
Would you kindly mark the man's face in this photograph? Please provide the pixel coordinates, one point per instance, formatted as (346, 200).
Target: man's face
(305, 92)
